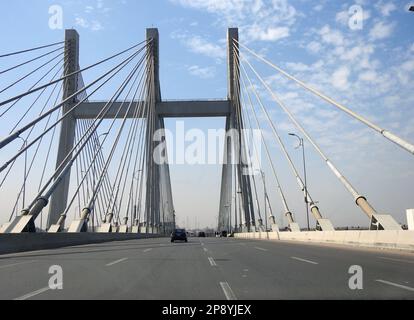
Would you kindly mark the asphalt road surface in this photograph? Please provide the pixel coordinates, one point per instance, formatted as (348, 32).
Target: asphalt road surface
(207, 269)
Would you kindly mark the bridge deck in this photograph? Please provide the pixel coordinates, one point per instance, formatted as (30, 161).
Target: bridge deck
(207, 269)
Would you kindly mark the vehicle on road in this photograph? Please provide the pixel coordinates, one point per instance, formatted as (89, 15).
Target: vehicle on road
(179, 235)
(223, 234)
(201, 234)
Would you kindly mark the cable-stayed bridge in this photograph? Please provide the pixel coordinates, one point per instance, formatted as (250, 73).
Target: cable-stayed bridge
(98, 162)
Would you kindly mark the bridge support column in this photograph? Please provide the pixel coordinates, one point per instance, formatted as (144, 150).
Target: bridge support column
(237, 151)
(152, 203)
(67, 133)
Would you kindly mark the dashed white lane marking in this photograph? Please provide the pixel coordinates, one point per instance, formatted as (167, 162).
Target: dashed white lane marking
(227, 291)
(17, 264)
(205, 249)
(147, 250)
(304, 260)
(116, 262)
(395, 285)
(261, 249)
(34, 293)
(397, 260)
(212, 262)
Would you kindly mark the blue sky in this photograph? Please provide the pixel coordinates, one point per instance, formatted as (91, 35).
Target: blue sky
(370, 70)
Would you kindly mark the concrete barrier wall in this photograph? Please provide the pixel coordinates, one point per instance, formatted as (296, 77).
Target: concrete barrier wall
(401, 239)
(14, 243)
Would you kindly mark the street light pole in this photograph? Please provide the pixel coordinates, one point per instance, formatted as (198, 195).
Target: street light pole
(265, 199)
(302, 144)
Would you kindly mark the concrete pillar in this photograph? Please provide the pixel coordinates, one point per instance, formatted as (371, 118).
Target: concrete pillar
(153, 170)
(67, 133)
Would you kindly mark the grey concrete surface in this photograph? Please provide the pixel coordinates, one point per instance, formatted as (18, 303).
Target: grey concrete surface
(211, 269)
(13, 243)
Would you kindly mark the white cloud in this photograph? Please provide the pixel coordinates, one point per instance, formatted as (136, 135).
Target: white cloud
(81, 22)
(314, 47)
(202, 46)
(330, 36)
(340, 78)
(269, 34)
(369, 76)
(381, 30)
(386, 8)
(203, 73)
(258, 20)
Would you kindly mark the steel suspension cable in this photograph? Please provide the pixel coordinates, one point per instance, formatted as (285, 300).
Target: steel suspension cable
(279, 187)
(62, 170)
(28, 61)
(313, 206)
(31, 72)
(123, 160)
(94, 126)
(385, 133)
(72, 74)
(359, 199)
(114, 70)
(44, 76)
(31, 49)
(17, 133)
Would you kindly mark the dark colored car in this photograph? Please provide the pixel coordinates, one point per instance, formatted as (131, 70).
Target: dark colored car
(179, 235)
(223, 234)
(201, 234)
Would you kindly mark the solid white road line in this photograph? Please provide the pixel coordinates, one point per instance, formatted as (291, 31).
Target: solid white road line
(396, 285)
(212, 262)
(261, 249)
(397, 260)
(34, 293)
(147, 250)
(116, 262)
(227, 291)
(304, 260)
(16, 264)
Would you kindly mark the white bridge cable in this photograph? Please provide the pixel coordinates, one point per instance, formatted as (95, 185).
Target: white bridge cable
(34, 157)
(139, 161)
(269, 157)
(66, 165)
(32, 72)
(103, 171)
(120, 201)
(112, 188)
(278, 138)
(131, 138)
(385, 133)
(31, 49)
(2, 103)
(32, 129)
(365, 206)
(32, 60)
(64, 60)
(100, 163)
(240, 112)
(112, 152)
(15, 135)
(245, 182)
(94, 126)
